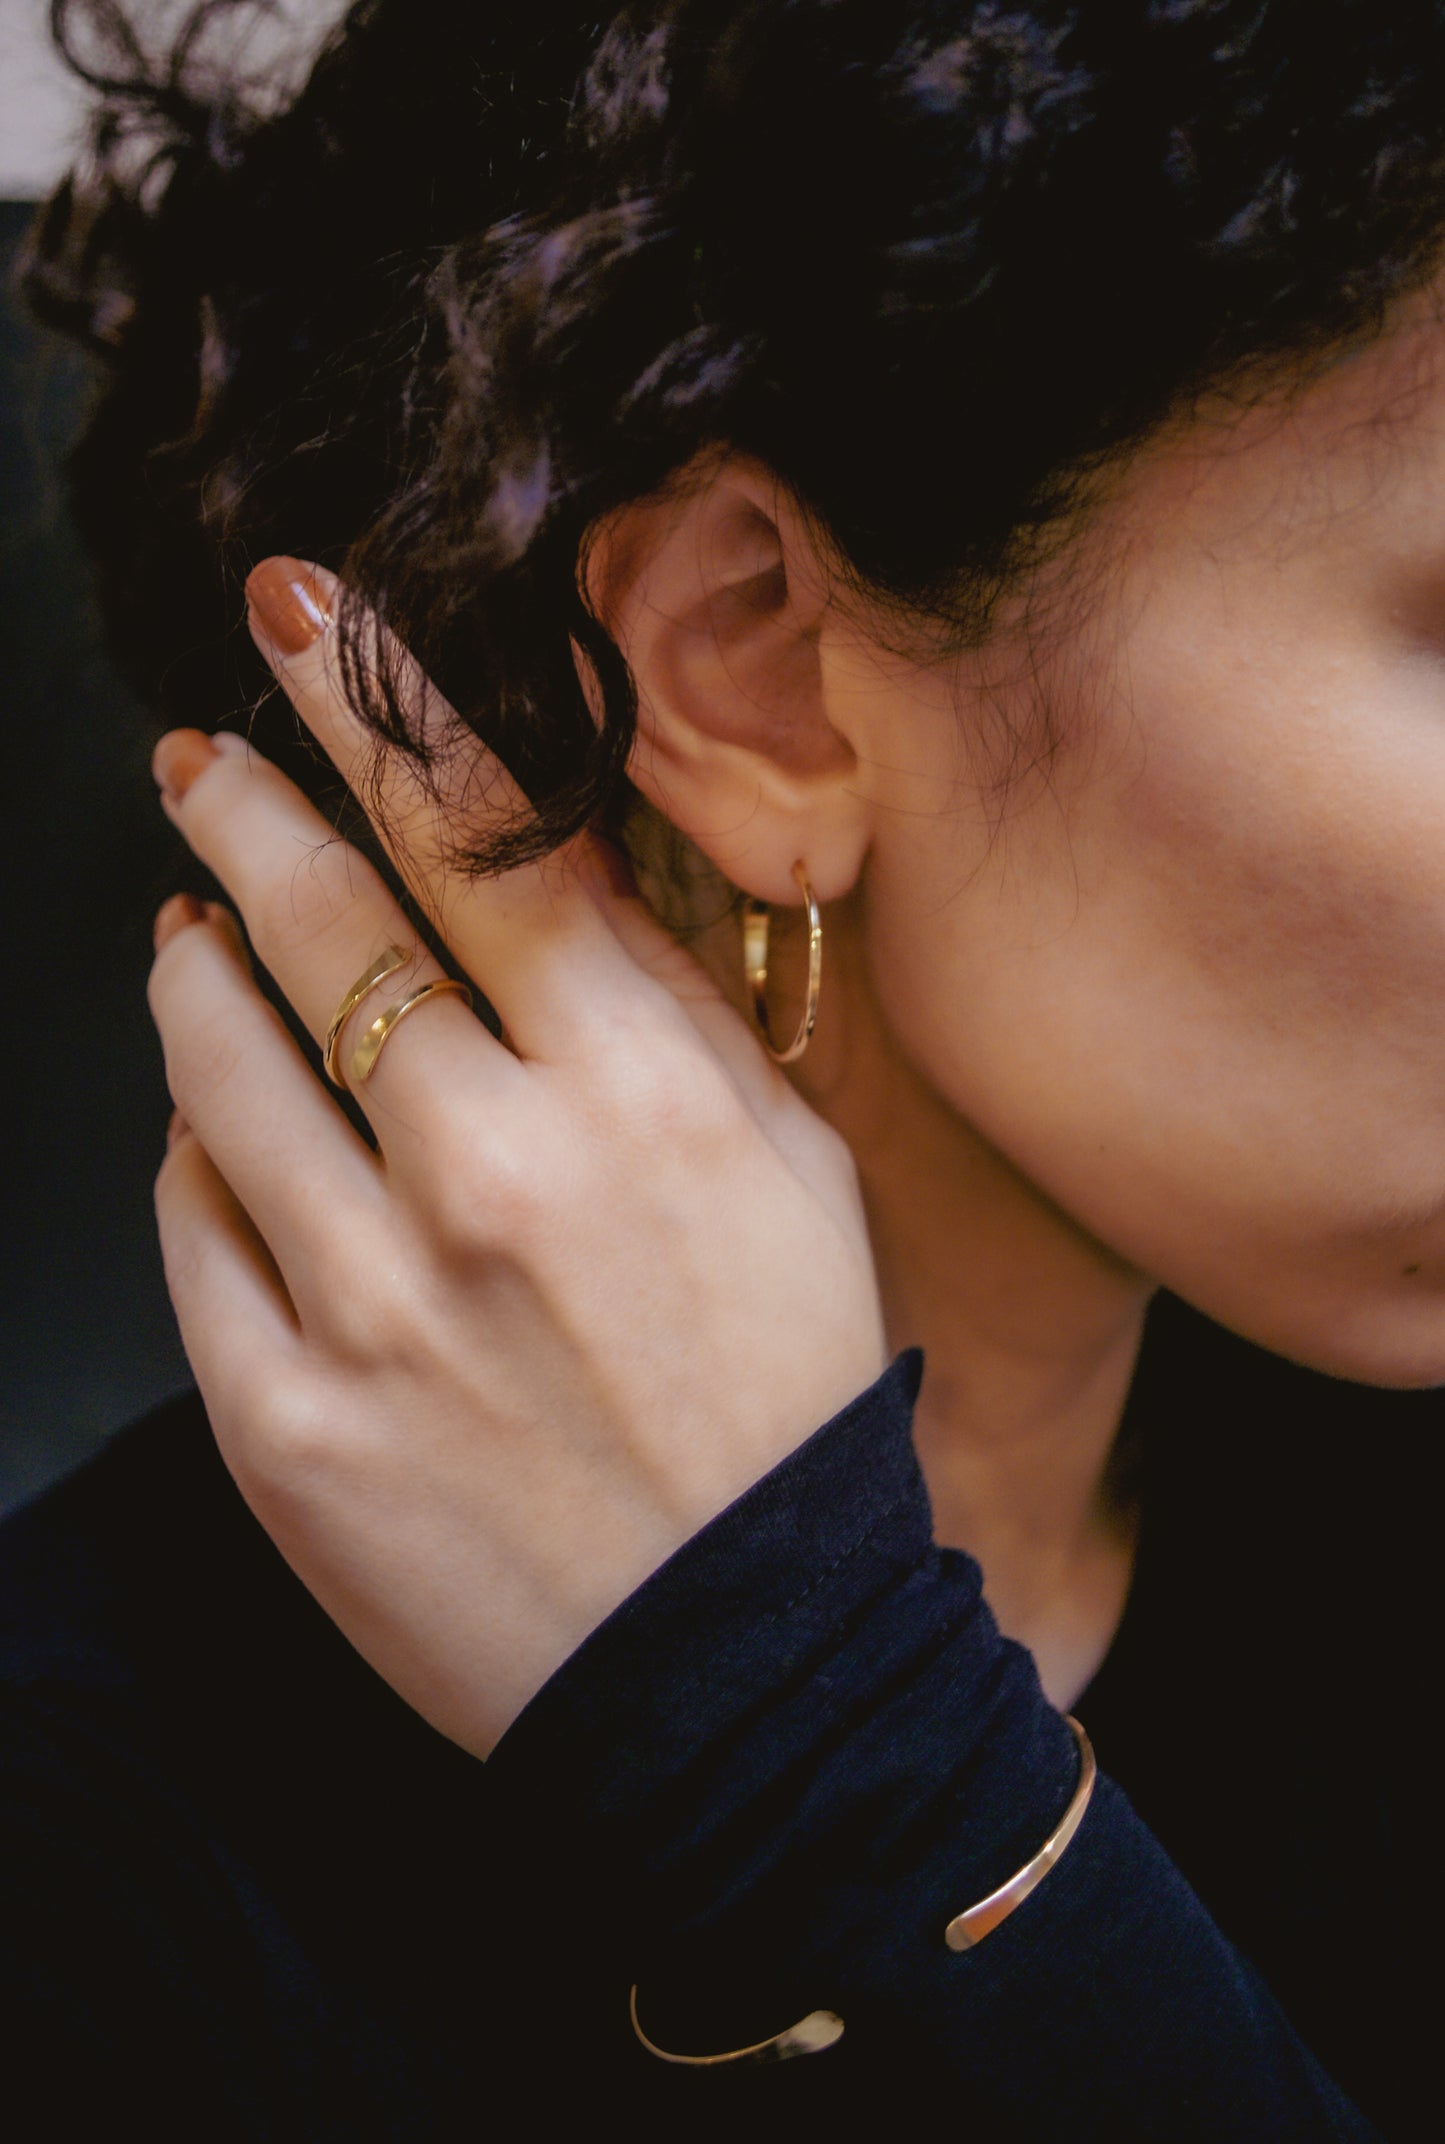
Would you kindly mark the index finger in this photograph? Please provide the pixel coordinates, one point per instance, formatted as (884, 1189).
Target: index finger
(531, 939)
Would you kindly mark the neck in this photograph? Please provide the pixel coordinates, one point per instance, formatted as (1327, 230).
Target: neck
(1031, 1330)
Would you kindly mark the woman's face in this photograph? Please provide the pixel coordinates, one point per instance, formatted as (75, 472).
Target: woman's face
(1189, 975)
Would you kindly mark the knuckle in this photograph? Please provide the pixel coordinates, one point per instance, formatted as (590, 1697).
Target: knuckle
(486, 1192)
(680, 1096)
(285, 1442)
(298, 908)
(374, 1319)
(479, 1202)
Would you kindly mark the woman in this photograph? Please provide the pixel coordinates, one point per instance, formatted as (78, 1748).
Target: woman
(971, 479)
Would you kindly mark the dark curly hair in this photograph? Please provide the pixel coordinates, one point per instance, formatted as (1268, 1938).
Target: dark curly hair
(497, 269)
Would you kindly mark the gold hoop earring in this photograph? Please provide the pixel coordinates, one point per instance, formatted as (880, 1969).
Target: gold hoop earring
(756, 919)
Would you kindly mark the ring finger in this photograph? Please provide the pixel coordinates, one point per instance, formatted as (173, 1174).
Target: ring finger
(288, 1155)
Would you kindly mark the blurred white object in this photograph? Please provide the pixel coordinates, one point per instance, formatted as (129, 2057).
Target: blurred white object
(42, 107)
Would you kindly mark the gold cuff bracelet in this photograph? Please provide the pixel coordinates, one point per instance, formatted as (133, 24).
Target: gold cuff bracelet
(822, 2029)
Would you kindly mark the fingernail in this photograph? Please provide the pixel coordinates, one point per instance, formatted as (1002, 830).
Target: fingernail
(179, 757)
(216, 912)
(178, 912)
(288, 610)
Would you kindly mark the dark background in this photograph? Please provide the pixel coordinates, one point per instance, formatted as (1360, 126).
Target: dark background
(88, 1336)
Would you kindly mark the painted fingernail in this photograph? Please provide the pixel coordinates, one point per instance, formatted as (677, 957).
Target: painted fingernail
(179, 757)
(216, 912)
(181, 910)
(288, 609)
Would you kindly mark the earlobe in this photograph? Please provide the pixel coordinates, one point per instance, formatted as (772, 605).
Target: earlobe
(718, 600)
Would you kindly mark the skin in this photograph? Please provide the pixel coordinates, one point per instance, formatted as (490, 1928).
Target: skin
(1169, 1013)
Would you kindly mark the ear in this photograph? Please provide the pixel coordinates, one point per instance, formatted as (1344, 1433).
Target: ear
(720, 602)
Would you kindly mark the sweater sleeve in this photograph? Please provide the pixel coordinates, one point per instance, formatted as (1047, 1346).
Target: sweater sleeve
(781, 1767)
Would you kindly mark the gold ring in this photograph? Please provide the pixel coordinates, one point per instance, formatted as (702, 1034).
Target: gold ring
(386, 964)
(371, 1043)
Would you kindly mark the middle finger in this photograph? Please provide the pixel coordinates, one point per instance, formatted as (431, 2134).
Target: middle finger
(531, 936)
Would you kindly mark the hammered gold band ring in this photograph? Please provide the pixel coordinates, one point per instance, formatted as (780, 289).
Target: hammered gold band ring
(369, 1045)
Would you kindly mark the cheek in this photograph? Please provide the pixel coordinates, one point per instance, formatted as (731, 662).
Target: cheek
(1273, 932)
(1279, 841)
(1200, 1003)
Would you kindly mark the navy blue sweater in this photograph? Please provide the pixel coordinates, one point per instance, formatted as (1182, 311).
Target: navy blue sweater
(249, 1894)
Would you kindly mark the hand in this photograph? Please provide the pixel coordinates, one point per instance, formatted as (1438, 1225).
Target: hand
(478, 1384)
